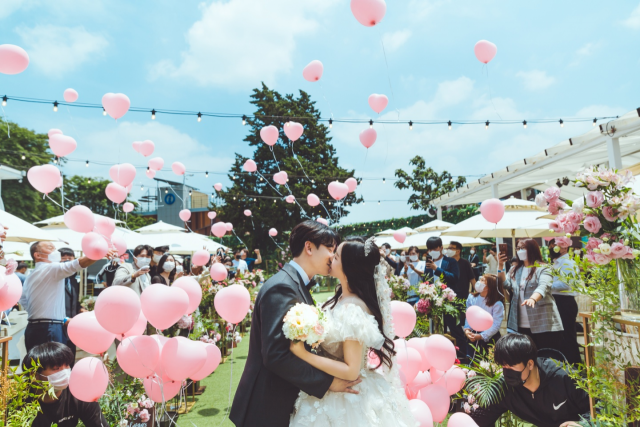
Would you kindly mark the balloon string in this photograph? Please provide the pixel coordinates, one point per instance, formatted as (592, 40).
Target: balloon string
(234, 233)
(274, 188)
(296, 157)
(274, 158)
(386, 62)
(276, 243)
(56, 203)
(253, 225)
(486, 67)
(5, 119)
(295, 199)
(325, 209)
(230, 376)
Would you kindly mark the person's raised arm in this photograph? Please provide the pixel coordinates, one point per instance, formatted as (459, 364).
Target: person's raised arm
(488, 416)
(544, 288)
(348, 370)
(86, 262)
(259, 257)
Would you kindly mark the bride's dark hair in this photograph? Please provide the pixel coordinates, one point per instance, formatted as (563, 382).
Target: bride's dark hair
(359, 270)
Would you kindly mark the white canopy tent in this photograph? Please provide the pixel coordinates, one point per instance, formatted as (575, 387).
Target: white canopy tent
(59, 220)
(178, 239)
(435, 225)
(407, 230)
(72, 239)
(21, 231)
(430, 229)
(160, 227)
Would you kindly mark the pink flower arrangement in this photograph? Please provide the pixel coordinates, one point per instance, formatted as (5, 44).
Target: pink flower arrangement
(592, 224)
(563, 242)
(144, 416)
(11, 266)
(422, 306)
(552, 194)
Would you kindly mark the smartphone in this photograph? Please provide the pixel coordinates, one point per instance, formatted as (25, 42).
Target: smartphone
(503, 248)
(429, 258)
(145, 268)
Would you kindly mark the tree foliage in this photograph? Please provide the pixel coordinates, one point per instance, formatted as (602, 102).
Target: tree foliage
(313, 151)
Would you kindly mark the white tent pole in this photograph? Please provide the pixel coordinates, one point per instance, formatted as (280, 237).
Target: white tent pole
(440, 213)
(613, 152)
(496, 195)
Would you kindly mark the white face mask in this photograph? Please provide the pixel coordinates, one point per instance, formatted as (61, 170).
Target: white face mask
(480, 286)
(387, 252)
(403, 258)
(413, 258)
(522, 254)
(179, 269)
(60, 380)
(156, 258)
(434, 254)
(142, 262)
(472, 252)
(54, 256)
(449, 253)
(168, 266)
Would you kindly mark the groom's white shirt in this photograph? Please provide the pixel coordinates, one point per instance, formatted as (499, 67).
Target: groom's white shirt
(300, 270)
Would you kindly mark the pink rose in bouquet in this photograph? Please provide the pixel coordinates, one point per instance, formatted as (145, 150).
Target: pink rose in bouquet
(595, 199)
(593, 243)
(552, 194)
(574, 217)
(554, 208)
(11, 266)
(609, 214)
(144, 416)
(618, 250)
(422, 306)
(541, 200)
(629, 254)
(555, 226)
(563, 242)
(592, 224)
(601, 259)
(567, 225)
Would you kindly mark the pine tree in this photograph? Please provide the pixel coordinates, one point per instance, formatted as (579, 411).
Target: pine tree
(313, 151)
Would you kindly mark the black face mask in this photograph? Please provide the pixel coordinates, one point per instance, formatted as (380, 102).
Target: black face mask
(514, 378)
(238, 256)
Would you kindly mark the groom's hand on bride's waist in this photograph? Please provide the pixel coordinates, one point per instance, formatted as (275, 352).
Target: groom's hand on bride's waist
(343, 386)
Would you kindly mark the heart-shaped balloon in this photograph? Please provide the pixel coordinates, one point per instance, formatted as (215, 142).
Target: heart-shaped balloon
(322, 221)
(44, 178)
(70, 95)
(219, 229)
(293, 130)
(250, 166)
(485, 51)
(313, 71)
(163, 305)
(104, 226)
(217, 186)
(116, 104)
(94, 246)
(156, 164)
(338, 190)
(378, 102)
(368, 137)
(128, 207)
(13, 59)
(269, 135)
(211, 215)
(313, 200)
(185, 215)
(123, 174)
(291, 198)
(228, 226)
(54, 132)
(352, 183)
(116, 192)
(178, 168)
(136, 146)
(147, 147)
(150, 173)
(281, 177)
(62, 145)
(400, 236)
(368, 12)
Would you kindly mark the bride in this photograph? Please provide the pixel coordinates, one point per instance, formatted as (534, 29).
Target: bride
(360, 317)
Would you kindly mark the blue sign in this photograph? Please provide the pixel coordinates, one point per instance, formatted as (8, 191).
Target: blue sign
(169, 199)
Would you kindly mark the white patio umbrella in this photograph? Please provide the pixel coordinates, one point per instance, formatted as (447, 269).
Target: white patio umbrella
(420, 240)
(407, 230)
(181, 243)
(22, 231)
(435, 225)
(59, 220)
(160, 227)
(72, 239)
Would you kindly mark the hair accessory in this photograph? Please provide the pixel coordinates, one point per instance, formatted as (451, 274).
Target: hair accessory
(368, 244)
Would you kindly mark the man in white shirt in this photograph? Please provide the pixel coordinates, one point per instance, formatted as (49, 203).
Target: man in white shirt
(240, 264)
(43, 294)
(489, 258)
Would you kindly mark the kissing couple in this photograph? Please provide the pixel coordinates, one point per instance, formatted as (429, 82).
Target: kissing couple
(353, 380)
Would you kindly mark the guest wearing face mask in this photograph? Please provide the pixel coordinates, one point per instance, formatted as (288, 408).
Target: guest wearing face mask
(43, 294)
(490, 298)
(388, 263)
(64, 410)
(474, 261)
(413, 271)
(155, 259)
(167, 267)
(240, 264)
(136, 275)
(72, 292)
(539, 391)
(402, 258)
(490, 261)
(532, 310)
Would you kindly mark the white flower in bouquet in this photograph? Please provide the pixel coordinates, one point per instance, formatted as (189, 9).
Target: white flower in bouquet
(439, 302)
(305, 323)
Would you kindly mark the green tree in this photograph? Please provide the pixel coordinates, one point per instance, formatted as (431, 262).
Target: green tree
(313, 151)
(426, 183)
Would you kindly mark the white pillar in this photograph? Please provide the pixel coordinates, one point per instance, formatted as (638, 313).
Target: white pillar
(440, 213)
(1, 202)
(496, 195)
(523, 194)
(613, 152)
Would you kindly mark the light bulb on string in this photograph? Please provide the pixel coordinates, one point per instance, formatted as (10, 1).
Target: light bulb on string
(524, 124)
(384, 180)
(23, 157)
(378, 203)
(449, 123)
(190, 193)
(594, 121)
(486, 125)
(330, 123)
(206, 174)
(561, 123)
(199, 117)
(142, 187)
(370, 124)
(104, 112)
(89, 180)
(87, 164)
(55, 106)
(410, 125)
(244, 120)
(4, 101)
(153, 114)
(166, 191)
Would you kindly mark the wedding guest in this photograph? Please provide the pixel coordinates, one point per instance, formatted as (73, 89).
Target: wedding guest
(388, 263)
(474, 260)
(72, 292)
(532, 310)
(565, 298)
(158, 252)
(251, 262)
(402, 258)
(413, 270)
(167, 269)
(488, 297)
(21, 271)
(240, 264)
(490, 261)
(63, 410)
(136, 275)
(467, 279)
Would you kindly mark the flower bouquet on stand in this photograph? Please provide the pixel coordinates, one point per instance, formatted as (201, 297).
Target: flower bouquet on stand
(399, 287)
(436, 300)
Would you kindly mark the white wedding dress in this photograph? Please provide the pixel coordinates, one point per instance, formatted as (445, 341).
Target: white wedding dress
(381, 401)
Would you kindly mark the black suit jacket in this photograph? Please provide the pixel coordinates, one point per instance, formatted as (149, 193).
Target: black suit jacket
(72, 299)
(273, 376)
(448, 270)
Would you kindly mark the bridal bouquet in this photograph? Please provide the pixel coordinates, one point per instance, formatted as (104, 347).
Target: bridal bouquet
(305, 323)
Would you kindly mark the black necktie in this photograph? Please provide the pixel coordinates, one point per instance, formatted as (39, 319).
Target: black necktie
(311, 283)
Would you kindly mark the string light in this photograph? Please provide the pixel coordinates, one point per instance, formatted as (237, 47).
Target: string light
(561, 123)
(153, 114)
(190, 193)
(370, 124)
(378, 203)
(449, 124)
(330, 123)
(4, 101)
(524, 123)
(87, 164)
(206, 174)
(594, 121)
(410, 125)
(55, 106)
(486, 125)
(212, 196)
(89, 180)
(104, 112)
(23, 157)
(166, 191)
(142, 187)
(199, 117)
(384, 180)
(244, 120)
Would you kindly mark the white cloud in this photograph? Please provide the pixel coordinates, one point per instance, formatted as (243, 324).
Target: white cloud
(633, 21)
(242, 42)
(588, 49)
(7, 7)
(57, 50)
(394, 41)
(536, 79)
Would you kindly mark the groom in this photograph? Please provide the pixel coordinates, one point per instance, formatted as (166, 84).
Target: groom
(273, 376)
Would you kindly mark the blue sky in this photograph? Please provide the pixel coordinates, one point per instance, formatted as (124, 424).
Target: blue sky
(555, 59)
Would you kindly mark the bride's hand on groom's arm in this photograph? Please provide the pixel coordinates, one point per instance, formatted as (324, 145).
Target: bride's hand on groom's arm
(343, 386)
(297, 348)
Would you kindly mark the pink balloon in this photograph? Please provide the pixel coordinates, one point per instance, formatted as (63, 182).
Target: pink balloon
(313, 200)
(250, 166)
(79, 218)
(479, 319)
(85, 332)
(54, 132)
(213, 360)
(440, 352)
(200, 258)
(368, 137)
(139, 356)
(116, 104)
(460, 419)
(44, 178)
(313, 71)
(281, 177)
(123, 174)
(13, 59)
(437, 400)
(178, 168)
(290, 198)
(128, 207)
(338, 190)
(421, 380)
(147, 147)
(273, 232)
(352, 183)
(136, 146)
(438, 377)
(61, 182)
(232, 303)
(89, 379)
(116, 192)
(185, 215)
(399, 236)
(420, 345)
(120, 244)
(228, 226)
(378, 102)
(211, 215)
(62, 145)
(94, 246)
(10, 292)
(485, 51)
(104, 226)
(269, 135)
(247, 212)
(217, 186)
(138, 328)
(163, 305)
(70, 95)
(421, 412)
(150, 173)
(404, 318)
(182, 358)
(409, 360)
(192, 289)
(218, 272)
(323, 221)
(117, 309)
(293, 130)
(161, 391)
(129, 187)
(455, 379)
(156, 164)
(219, 229)
(492, 210)
(368, 12)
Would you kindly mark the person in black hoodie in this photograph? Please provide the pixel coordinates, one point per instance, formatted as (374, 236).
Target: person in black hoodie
(538, 390)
